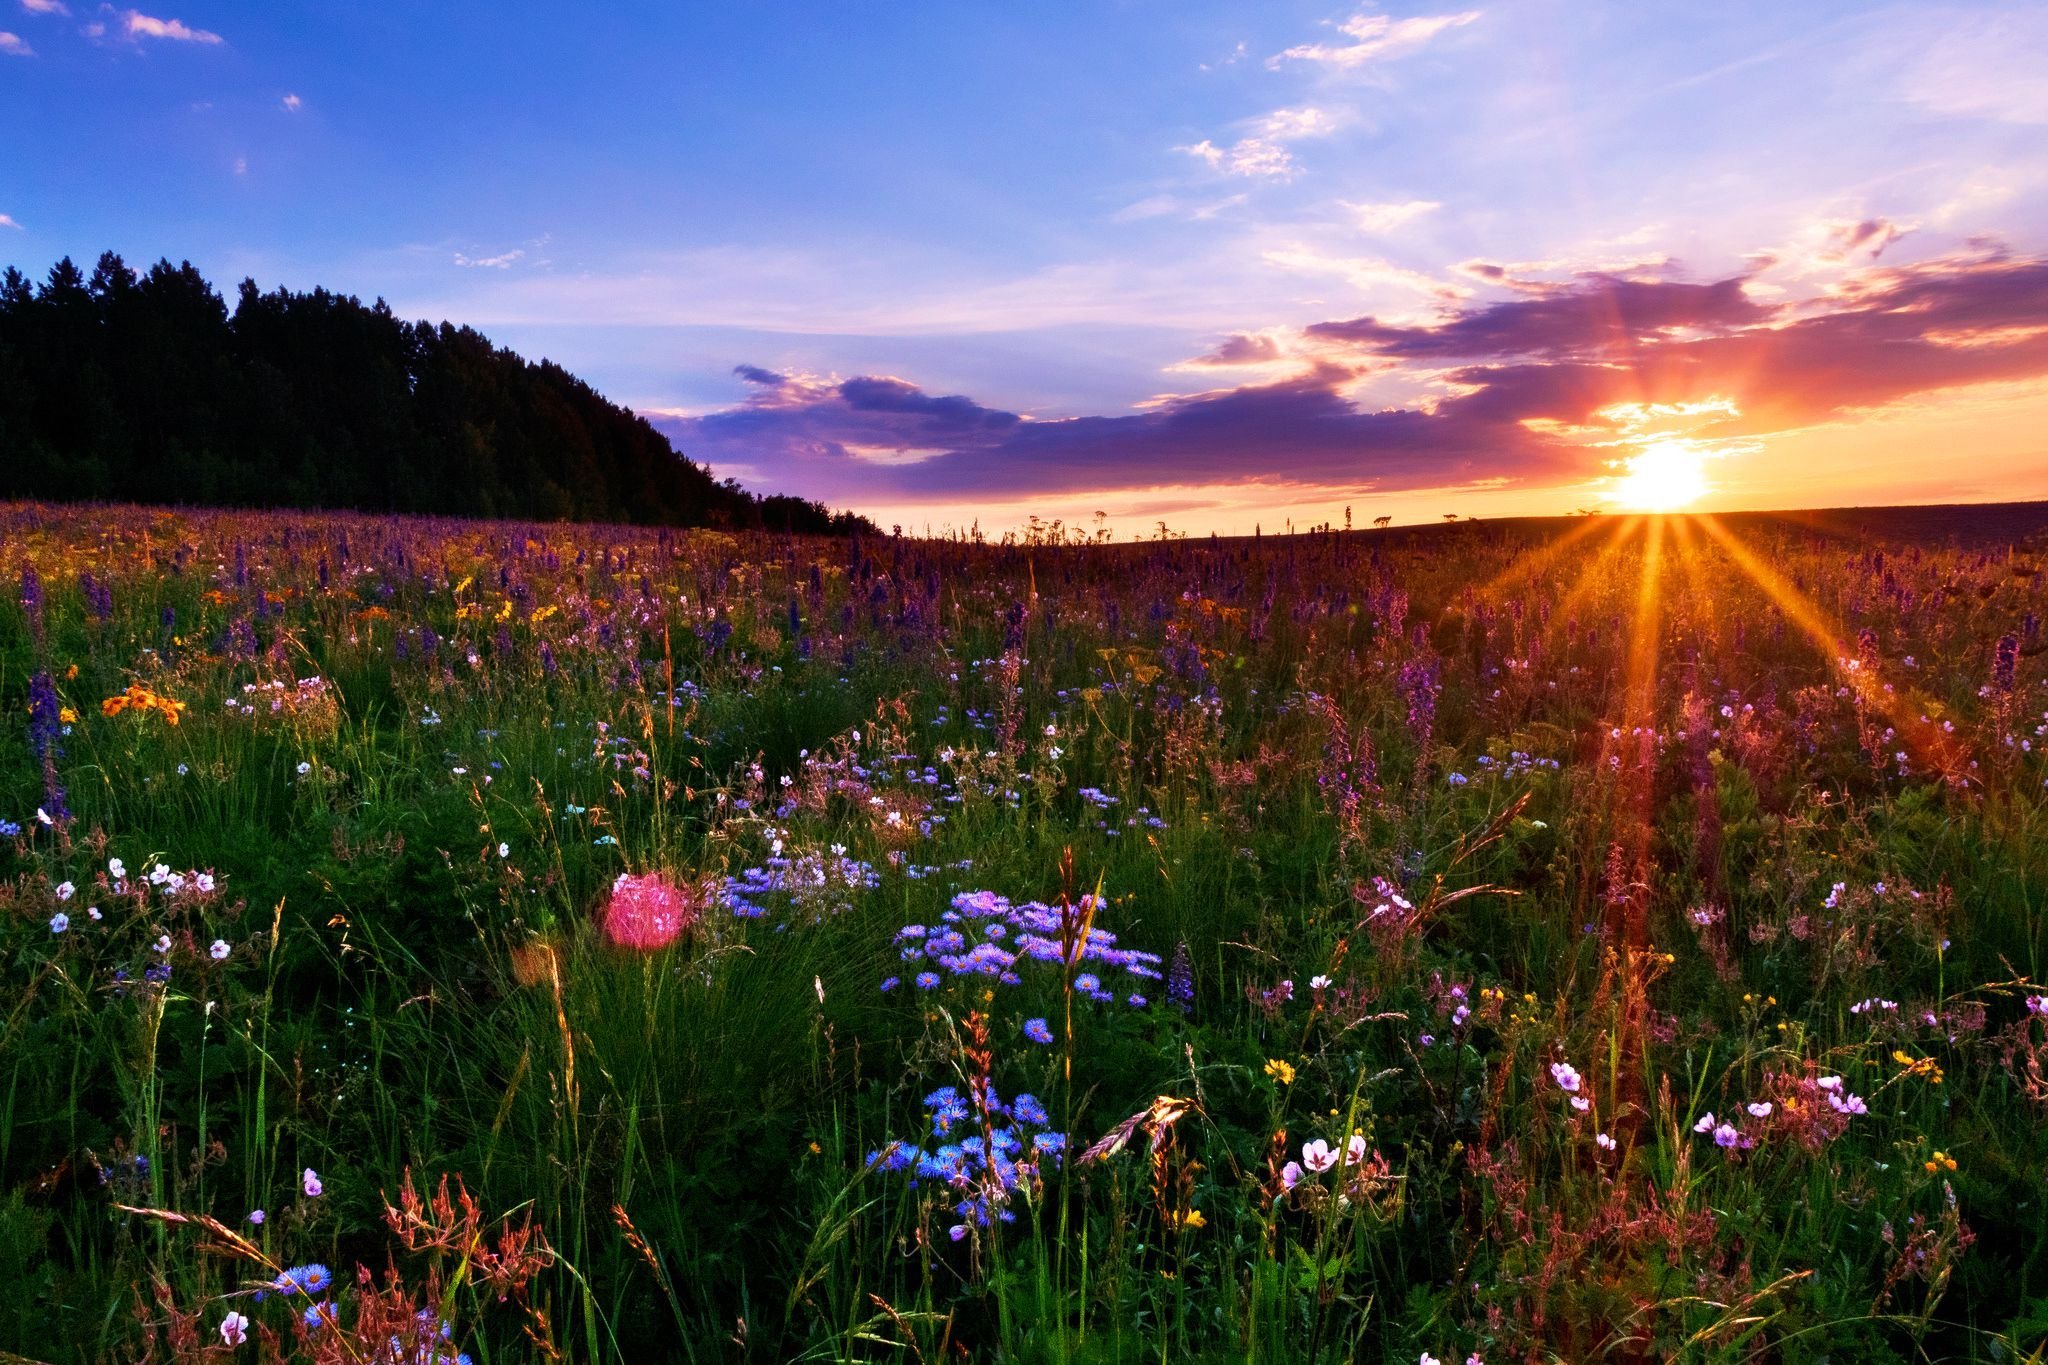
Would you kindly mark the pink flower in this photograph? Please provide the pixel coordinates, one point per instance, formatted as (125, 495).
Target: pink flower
(234, 1329)
(1290, 1174)
(1354, 1150)
(310, 1182)
(1565, 1074)
(1318, 1156)
(647, 913)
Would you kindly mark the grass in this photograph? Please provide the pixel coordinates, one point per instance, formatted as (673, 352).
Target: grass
(1375, 842)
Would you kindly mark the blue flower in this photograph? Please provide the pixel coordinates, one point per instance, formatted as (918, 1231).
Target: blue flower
(1037, 1031)
(305, 1279)
(927, 981)
(891, 983)
(1029, 1110)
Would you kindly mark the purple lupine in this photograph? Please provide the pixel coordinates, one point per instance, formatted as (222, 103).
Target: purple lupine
(2005, 662)
(32, 600)
(45, 728)
(1180, 979)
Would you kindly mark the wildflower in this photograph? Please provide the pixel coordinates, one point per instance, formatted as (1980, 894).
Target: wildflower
(1318, 983)
(1318, 1156)
(1565, 1075)
(65, 891)
(309, 1279)
(1727, 1136)
(1581, 1103)
(1035, 1029)
(1428, 1359)
(504, 850)
(92, 912)
(315, 1317)
(1354, 1149)
(1706, 1123)
(310, 1182)
(59, 922)
(305, 768)
(116, 869)
(1605, 1141)
(647, 913)
(220, 950)
(256, 1216)
(163, 943)
(1940, 1161)
(2038, 1004)
(1280, 1071)
(234, 1329)
(1180, 979)
(890, 983)
(1760, 1109)
(928, 981)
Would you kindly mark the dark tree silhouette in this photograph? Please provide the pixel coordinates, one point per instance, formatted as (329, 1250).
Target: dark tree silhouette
(147, 387)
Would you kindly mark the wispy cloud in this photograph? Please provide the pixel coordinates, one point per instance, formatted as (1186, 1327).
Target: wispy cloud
(136, 24)
(1374, 38)
(1978, 65)
(45, 7)
(13, 45)
(500, 262)
(1380, 219)
(1263, 150)
(7, 221)
(292, 103)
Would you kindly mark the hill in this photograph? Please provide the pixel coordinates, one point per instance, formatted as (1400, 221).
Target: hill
(147, 387)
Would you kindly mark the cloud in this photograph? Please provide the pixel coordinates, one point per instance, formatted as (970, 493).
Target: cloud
(13, 46)
(1374, 37)
(1380, 219)
(1243, 349)
(1979, 65)
(1601, 316)
(1263, 150)
(7, 221)
(500, 262)
(56, 7)
(1865, 239)
(292, 103)
(1531, 390)
(136, 24)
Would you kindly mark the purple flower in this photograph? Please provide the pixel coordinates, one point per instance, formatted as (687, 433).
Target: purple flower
(1565, 1075)
(310, 1183)
(1037, 1031)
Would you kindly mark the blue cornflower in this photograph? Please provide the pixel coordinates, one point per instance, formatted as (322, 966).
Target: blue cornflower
(891, 983)
(1087, 982)
(927, 981)
(1037, 1031)
(1028, 1110)
(305, 1279)
(315, 1317)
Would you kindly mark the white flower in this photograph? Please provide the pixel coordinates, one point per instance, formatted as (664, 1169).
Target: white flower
(504, 850)
(1318, 982)
(1604, 1140)
(305, 768)
(1318, 1156)
(204, 881)
(234, 1329)
(163, 943)
(1705, 1124)
(92, 912)
(1760, 1110)
(220, 950)
(65, 891)
(116, 869)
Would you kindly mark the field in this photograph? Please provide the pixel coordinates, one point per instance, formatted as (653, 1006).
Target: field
(1610, 939)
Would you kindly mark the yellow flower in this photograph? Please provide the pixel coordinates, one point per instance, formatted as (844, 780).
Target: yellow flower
(1188, 1221)
(1280, 1071)
(67, 715)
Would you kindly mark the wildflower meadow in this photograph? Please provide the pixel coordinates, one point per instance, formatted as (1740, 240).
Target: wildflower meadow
(1603, 939)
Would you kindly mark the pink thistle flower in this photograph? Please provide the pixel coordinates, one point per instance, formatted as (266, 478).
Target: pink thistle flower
(647, 913)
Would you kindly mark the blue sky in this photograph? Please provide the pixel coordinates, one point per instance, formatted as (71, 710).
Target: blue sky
(990, 257)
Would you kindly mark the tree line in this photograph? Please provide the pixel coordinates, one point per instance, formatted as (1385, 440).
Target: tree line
(144, 386)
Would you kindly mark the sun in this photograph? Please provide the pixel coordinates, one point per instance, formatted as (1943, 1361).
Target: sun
(1664, 477)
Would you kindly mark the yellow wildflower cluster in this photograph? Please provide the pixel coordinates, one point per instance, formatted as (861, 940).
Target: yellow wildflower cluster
(1940, 1161)
(140, 698)
(1919, 1066)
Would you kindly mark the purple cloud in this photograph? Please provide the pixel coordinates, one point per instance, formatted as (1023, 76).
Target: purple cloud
(1565, 357)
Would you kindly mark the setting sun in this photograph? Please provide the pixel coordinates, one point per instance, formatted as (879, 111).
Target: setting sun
(1663, 478)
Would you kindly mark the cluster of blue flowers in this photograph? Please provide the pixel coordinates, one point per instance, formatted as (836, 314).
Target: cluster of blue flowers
(984, 936)
(980, 1166)
(808, 888)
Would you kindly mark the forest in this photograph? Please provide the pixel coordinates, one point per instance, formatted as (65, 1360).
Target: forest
(146, 386)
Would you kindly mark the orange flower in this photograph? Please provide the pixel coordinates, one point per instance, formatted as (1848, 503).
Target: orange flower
(140, 698)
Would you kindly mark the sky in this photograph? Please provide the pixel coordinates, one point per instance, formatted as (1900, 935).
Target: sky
(1221, 266)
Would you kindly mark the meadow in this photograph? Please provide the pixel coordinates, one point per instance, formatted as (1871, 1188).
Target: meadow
(433, 941)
